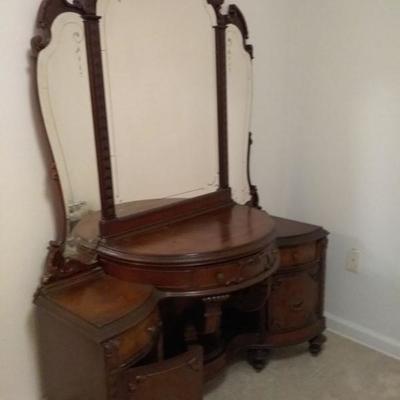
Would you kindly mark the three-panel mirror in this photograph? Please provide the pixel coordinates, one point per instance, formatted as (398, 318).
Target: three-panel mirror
(159, 67)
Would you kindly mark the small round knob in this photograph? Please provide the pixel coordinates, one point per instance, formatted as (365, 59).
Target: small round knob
(298, 305)
(153, 331)
(221, 277)
(132, 387)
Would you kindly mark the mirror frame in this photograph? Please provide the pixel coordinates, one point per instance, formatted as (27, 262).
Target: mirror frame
(110, 224)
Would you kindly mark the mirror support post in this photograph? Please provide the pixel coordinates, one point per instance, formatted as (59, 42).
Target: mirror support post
(92, 32)
(255, 200)
(220, 36)
(222, 92)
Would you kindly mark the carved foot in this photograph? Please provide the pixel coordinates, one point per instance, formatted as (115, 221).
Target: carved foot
(258, 358)
(316, 345)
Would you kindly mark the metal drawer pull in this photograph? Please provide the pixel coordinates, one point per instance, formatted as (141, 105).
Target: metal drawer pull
(132, 386)
(221, 278)
(272, 257)
(298, 306)
(194, 364)
(153, 331)
(296, 254)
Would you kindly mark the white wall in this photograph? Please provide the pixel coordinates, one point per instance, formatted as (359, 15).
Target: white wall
(326, 123)
(26, 222)
(327, 116)
(270, 31)
(347, 175)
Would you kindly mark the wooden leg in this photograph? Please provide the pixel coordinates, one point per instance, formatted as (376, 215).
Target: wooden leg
(316, 344)
(210, 334)
(190, 334)
(213, 313)
(258, 356)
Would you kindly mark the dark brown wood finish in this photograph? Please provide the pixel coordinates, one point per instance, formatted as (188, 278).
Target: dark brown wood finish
(95, 301)
(194, 282)
(224, 234)
(180, 378)
(113, 226)
(255, 200)
(219, 252)
(57, 267)
(186, 273)
(295, 310)
(236, 17)
(166, 214)
(96, 77)
(49, 10)
(292, 233)
(110, 225)
(222, 92)
(91, 329)
(104, 303)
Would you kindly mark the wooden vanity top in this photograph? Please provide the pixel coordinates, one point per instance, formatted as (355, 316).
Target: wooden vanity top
(225, 233)
(291, 233)
(96, 301)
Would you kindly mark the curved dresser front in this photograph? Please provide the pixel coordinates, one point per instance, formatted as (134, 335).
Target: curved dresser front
(219, 252)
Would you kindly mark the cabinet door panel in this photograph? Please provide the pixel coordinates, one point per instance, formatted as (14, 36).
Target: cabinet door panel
(180, 378)
(294, 301)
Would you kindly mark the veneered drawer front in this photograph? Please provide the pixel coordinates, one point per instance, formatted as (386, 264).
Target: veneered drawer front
(294, 300)
(198, 278)
(231, 273)
(180, 378)
(297, 255)
(133, 342)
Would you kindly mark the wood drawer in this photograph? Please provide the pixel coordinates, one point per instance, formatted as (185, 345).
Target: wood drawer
(234, 272)
(294, 300)
(180, 378)
(200, 278)
(133, 343)
(297, 255)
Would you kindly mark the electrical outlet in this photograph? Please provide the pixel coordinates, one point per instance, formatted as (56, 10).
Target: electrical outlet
(353, 261)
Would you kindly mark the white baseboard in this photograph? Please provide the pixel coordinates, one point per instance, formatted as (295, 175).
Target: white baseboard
(364, 336)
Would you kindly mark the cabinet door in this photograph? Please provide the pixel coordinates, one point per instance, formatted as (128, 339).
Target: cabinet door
(180, 378)
(294, 301)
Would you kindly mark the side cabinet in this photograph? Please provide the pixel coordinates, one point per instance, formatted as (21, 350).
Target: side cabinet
(101, 339)
(295, 309)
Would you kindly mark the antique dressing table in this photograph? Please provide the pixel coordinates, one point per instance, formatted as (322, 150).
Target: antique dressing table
(164, 263)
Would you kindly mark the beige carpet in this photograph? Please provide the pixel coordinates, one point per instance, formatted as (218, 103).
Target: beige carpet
(344, 371)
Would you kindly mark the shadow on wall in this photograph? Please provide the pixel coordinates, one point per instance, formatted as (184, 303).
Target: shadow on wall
(344, 102)
(54, 196)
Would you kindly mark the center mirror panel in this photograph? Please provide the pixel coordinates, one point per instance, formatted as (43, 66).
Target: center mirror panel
(161, 89)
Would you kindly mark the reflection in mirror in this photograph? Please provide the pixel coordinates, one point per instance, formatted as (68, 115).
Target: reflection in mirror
(159, 59)
(239, 75)
(63, 86)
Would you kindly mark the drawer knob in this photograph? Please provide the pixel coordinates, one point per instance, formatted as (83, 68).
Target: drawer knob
(153, 331)
(221, 278)
(272, 258)
(194, 363)
(132, 387)
(298, 305)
